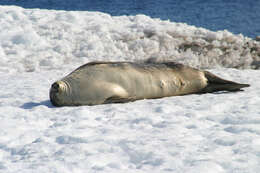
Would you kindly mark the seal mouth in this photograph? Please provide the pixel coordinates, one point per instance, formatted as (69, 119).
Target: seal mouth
(58, 93)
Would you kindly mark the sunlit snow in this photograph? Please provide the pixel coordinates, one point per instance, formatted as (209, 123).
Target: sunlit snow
(215, 133)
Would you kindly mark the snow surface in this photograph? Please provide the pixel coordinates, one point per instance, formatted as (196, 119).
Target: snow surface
(214, 133)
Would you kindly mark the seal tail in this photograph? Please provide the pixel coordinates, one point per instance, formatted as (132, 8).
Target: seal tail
(216, 83)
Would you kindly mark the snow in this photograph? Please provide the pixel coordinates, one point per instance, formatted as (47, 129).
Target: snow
(45, 40)
(214, 133)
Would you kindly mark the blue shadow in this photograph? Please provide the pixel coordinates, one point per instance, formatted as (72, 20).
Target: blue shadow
(31, 105)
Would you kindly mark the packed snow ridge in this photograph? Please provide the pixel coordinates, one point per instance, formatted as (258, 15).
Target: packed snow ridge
(45, 39)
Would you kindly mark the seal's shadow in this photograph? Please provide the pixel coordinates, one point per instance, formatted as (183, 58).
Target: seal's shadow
(31, 105)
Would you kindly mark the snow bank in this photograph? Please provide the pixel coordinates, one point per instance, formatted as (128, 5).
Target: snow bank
(34, 40)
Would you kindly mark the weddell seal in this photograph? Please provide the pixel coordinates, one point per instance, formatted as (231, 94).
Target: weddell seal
(117, 82)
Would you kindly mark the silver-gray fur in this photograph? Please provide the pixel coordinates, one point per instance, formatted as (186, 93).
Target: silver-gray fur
(117, 82)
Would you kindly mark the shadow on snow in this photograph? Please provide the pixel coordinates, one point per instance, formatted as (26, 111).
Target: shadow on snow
(31, 105)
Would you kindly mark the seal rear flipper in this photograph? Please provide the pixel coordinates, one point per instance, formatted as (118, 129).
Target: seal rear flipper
(216, 83)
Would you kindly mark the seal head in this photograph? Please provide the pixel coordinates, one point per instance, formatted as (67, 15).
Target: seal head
(60, 93)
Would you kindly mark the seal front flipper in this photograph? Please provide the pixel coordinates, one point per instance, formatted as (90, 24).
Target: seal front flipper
(118, 99)
(216, 83)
